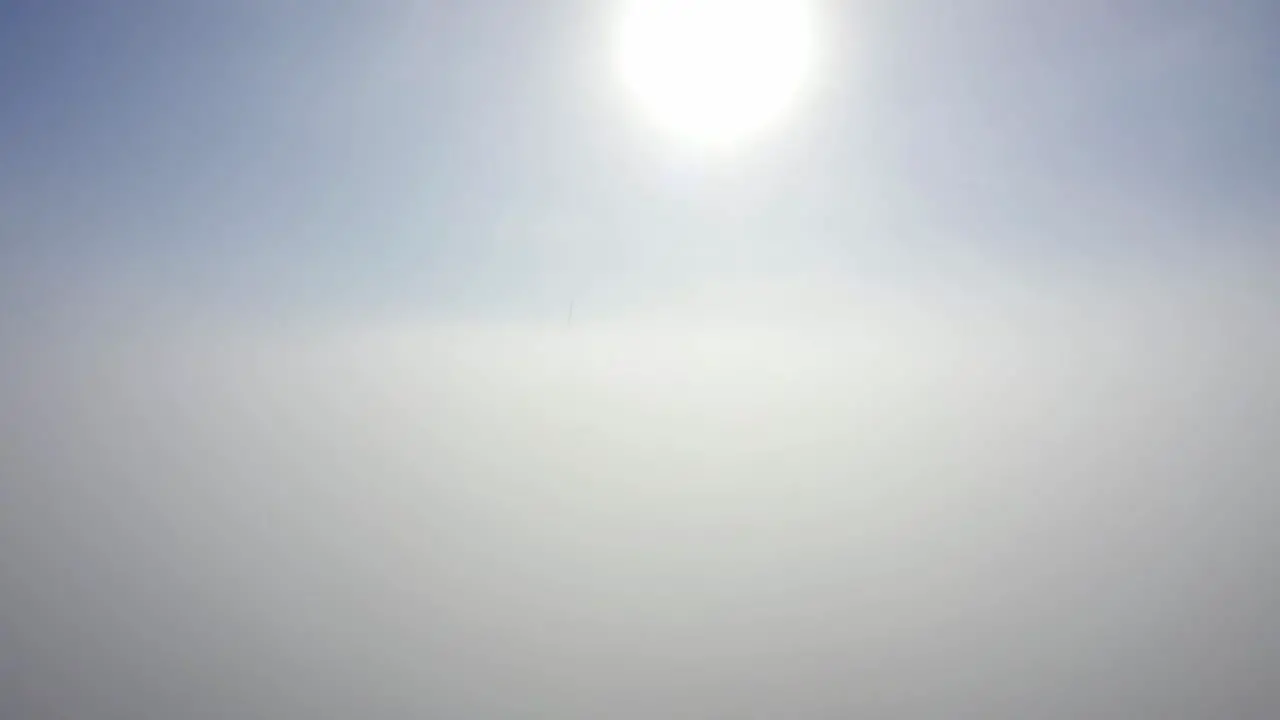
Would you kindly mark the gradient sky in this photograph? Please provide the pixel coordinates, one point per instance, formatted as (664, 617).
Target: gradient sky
(952, 396)
(468, 155)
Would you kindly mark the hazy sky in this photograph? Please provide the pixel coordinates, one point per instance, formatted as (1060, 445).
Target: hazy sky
(952, 396)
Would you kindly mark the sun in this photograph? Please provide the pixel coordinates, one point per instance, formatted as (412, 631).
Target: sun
(717, 72)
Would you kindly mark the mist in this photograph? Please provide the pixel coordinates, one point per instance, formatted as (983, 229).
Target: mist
(1056, 508)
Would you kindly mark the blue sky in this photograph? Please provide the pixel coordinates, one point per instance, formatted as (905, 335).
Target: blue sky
(453, 157)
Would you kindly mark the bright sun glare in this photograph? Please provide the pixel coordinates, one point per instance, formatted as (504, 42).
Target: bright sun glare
(717, 72)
